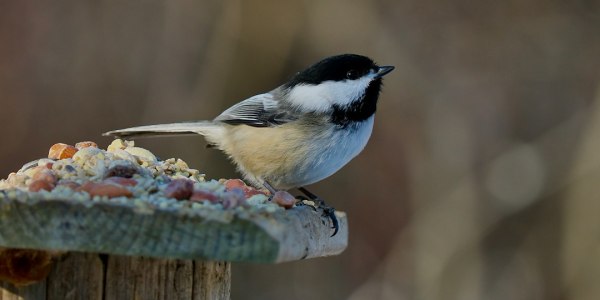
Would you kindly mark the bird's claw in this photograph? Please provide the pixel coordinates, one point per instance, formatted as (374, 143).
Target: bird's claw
(330, 213)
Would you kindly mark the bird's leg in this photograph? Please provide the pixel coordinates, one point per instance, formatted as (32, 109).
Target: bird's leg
(327, 210)
(269, 187)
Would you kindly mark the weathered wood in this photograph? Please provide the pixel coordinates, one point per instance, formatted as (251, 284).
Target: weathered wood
(214, 279)
(76, 276)
(92, 276)
(148, 278)
(10, 292)
(141, 229)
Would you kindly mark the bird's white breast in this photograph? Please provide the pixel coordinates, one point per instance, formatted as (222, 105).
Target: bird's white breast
(332, 150)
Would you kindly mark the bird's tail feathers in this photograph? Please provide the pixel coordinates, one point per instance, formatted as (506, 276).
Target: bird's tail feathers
(206, 128)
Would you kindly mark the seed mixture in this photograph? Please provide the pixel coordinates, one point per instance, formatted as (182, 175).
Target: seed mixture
(128, 174)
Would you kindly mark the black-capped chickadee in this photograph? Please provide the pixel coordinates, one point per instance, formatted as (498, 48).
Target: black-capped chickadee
(299, 133)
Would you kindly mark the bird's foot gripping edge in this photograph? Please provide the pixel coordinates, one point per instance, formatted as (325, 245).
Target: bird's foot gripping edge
(328, 211)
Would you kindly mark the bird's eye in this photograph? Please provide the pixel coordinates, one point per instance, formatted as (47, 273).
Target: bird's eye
(352, 74)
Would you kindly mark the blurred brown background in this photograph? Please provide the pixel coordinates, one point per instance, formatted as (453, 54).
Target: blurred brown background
(481, 179)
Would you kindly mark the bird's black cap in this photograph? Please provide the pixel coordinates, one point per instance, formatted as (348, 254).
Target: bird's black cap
(335, 68)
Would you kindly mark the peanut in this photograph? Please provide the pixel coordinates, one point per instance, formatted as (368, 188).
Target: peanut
(38, 185)
(70, 184)
(121, 181)
(61, 151)
(42, 173)
(179, 189)
(200, 195)
(105, 189)
(126, 171)
(284, 199)
(249, 191)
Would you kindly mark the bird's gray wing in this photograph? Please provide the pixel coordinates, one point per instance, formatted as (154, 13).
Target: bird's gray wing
(259, 111)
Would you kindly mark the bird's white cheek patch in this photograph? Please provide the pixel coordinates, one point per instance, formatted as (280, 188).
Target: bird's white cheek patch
(323, 96)
(310, 97)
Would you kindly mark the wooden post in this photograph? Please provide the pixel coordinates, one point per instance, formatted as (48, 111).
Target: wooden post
(151, 252)
(79, 275)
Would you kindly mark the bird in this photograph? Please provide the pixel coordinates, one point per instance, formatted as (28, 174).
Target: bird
(297, 134)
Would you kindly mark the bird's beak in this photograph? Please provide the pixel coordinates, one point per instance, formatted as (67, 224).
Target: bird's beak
(383, 70)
